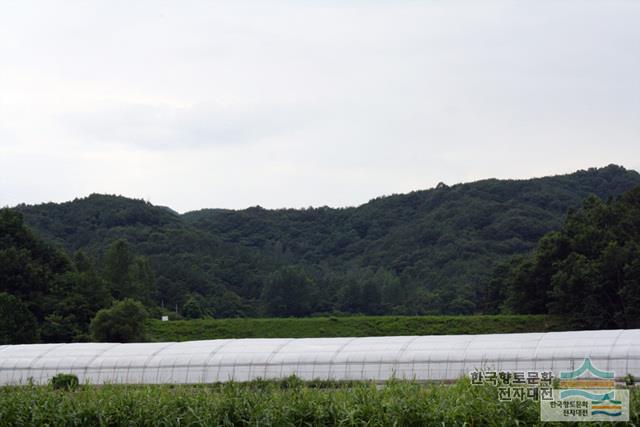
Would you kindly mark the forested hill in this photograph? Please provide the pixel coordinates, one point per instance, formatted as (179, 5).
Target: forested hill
(426, 252)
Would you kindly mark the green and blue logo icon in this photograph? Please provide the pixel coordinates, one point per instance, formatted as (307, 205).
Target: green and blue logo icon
(602, 403)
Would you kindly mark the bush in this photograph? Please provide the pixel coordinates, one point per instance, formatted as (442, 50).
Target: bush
(291, 381)
(629, 380)
(64, 382)
(123, 322)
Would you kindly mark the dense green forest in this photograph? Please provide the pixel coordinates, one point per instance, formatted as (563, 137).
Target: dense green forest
(589, 270)
(45, 295)
(461, 249)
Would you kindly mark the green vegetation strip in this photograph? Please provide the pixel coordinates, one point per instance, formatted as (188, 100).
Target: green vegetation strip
(267, 404)
(356, 326)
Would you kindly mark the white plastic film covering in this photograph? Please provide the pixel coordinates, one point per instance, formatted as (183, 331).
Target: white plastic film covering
(425, 358)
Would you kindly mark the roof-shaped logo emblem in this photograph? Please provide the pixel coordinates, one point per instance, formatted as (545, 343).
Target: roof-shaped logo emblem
(586, 366)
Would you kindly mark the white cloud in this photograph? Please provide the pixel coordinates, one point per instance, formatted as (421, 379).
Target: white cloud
(170, 127)
(309, 103)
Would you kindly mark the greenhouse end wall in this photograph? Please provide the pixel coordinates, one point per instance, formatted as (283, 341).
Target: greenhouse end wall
(423, 358)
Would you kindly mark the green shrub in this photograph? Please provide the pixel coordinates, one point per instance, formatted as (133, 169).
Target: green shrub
(123, 322)
(629, 380)
(64, 382)
(291, 381)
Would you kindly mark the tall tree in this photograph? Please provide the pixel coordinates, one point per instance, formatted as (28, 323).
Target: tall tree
(17, 324)
(142, 280)
(116, 270)
(129, 276)
(288, 292)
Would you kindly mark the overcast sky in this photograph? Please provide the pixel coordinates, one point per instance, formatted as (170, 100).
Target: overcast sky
(195, 104)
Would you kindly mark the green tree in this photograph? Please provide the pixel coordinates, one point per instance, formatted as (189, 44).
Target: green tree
(27, 265)
(142, 280)
(630, 292)
(530, 284)
(123, 322)
(130, 276)
(587, 271)
(83, 263)
(372, 296)
(59, 328)
(193, 307)
(17, 324)
(288, 292)
(116, 271)
(350, 295)
(77, 298)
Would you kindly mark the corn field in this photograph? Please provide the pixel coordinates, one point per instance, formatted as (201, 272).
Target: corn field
(268, 403)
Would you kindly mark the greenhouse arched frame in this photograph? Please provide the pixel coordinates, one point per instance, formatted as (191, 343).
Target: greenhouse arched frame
(421, 358)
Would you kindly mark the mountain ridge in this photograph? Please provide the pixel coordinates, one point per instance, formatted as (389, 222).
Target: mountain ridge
(429, 250)
(440, 185)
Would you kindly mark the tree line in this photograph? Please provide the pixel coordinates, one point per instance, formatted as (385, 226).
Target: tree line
(486, 247)
(588, 271)
(48, 296)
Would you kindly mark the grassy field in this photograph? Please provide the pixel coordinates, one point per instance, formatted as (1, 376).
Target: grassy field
(355, 326)
(269, 403)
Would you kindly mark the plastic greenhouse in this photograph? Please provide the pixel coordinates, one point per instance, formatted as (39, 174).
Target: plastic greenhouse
(428, 358)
